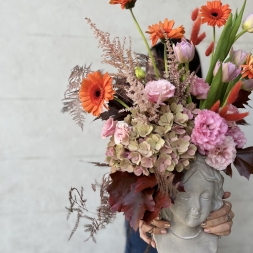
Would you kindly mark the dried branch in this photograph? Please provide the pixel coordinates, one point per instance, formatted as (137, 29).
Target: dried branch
(104, 214)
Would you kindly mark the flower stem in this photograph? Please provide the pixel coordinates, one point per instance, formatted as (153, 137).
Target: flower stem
(165, 58)
(240, 34)
(146, 43)
(121, 102)
(214, 37)
(189, 98)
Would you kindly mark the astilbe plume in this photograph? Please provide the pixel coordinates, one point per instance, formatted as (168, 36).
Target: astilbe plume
(174, 76)
(121, 58)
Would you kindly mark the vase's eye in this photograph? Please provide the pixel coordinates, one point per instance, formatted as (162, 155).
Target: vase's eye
(185, 196)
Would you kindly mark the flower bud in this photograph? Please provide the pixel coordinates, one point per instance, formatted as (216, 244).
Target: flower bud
(229, 71)
(247, 84)
(140, 73)
(238, 57)
(247, 24)
(184, 51)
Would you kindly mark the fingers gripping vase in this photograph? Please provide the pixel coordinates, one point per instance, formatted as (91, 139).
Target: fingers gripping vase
(203, 194)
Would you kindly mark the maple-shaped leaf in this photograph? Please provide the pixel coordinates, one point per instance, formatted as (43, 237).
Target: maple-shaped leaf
(132, 195)
(244, 162)
(242, 99)
(228, 171)
(161, 201)
(145, 181)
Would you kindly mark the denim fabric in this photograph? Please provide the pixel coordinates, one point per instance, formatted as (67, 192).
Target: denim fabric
(134, 244)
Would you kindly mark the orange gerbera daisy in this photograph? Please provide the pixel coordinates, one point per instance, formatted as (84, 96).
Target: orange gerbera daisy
(95, 90)
(158, 31)
(214, 13)
(124, 3)
(248, 68)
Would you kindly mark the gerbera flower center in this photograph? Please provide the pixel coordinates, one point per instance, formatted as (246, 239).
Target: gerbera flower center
(214, 14)
(97, 93)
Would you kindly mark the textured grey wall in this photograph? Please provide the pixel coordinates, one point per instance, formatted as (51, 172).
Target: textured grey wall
(43, 152)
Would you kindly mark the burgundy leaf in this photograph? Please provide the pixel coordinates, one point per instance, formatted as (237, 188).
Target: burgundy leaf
(144, 182)
(136, 204)
(228, 171)
(113, 113)
(242, 99)
(244, 162)
(161, 201)
(132, 195)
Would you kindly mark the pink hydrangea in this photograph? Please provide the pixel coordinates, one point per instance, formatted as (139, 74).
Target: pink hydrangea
(209, 130)
(238, 136)
(121, 134)
(159, 91)
(108, 128)
(222, 155)
(199, 88)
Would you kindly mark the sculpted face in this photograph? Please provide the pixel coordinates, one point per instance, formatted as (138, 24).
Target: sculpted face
(193, 206)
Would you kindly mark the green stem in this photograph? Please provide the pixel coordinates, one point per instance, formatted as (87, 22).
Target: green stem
(165, 58)
(186, 67)
(121, 102)
(214, 38)
(189, 98)
(146, 43)
(239, 35)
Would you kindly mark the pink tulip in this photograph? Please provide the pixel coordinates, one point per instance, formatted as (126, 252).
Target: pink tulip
(229, 71)
(184, 51)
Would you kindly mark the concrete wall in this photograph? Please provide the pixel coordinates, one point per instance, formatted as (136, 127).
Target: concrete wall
(42, 152)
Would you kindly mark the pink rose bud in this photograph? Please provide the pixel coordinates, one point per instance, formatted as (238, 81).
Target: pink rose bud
(247, 84)
(199, 88)
(229, 71)
(159, 91)
(247, 24)
(184, 51)
(108, 128)
(238, 57)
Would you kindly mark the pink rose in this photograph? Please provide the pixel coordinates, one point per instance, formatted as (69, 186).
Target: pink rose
(199, 88)
(209, 130)
(222, 155)
(159, 91)
(121, 134)
(108, 128)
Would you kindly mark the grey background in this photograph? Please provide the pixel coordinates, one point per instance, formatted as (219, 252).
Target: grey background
(42, 152)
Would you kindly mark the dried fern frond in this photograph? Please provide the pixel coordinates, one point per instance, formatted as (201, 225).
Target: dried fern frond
(104, 214)
(71, 102)
(75, 79)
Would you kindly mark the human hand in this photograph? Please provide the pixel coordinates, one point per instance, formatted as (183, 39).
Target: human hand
(220, 222)
(156, 227)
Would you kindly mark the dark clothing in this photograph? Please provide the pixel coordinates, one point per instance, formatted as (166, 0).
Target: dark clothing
(134, 244)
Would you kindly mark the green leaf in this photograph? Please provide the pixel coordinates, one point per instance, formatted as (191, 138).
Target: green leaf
(215, 92)
(230, 85)
(220, 52)
(235, 28)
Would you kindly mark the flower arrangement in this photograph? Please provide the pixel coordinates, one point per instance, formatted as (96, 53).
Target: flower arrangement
(157, 121)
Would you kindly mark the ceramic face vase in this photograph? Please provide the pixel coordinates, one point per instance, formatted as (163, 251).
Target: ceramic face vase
(203, 194)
